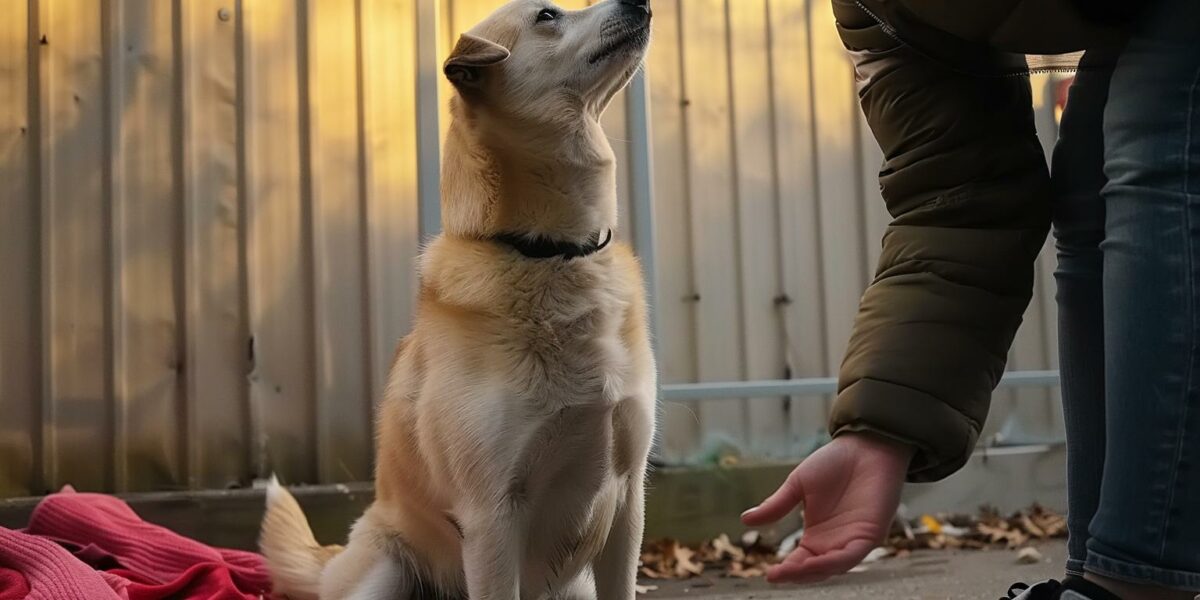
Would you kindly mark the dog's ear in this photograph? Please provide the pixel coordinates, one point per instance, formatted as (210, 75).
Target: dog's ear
(467, 65)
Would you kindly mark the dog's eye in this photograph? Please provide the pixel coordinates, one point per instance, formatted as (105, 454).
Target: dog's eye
(547, 14)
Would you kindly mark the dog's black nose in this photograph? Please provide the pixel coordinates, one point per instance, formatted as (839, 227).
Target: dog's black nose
(642, 4)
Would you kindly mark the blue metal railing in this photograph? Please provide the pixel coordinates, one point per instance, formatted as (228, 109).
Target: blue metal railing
(815, 386)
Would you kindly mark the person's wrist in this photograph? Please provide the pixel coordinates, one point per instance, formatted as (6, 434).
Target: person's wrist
(880, 447)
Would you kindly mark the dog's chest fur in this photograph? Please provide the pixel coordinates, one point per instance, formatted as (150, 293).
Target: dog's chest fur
(557, 358)
(551, 328)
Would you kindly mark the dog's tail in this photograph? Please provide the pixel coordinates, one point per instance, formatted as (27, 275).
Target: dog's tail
(293, 554)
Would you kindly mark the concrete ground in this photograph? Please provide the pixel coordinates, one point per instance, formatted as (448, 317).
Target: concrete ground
(925, 575)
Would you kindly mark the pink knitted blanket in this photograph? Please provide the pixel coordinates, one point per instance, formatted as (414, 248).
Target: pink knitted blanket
(94, 547)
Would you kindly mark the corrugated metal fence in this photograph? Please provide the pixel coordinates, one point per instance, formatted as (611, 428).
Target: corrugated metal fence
(208, 218)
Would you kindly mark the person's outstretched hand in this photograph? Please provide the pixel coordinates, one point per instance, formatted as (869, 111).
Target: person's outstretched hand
(850, 489)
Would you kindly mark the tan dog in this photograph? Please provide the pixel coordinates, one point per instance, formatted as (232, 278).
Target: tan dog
(515, 428)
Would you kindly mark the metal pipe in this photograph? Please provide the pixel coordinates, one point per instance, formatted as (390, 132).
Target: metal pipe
(641, 188)
(816, 386)
(429, 191)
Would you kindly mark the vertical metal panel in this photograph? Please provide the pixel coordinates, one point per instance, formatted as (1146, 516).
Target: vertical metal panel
(214, 273)
(279, 243)
(838, 180)
(1028, 415)
(464, 14)
(20, 336)
(431, 126)
(447, 35)
(799, 212)
(676, 309)
(1051, 420)
(641, 188)
(75, 191)
(713, 214)
(758, 233)
(146, 260)
(390, 155)
(343, 410)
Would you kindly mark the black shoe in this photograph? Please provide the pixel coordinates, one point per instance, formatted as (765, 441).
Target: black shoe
(1046, 590)
(1071, 588)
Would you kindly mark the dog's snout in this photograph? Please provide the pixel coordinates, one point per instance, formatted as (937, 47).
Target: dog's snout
(638, 4)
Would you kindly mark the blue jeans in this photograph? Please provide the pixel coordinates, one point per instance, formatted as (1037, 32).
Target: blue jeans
(1126, 175)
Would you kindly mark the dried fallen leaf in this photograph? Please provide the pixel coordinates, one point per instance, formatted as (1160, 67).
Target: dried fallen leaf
(931, 524)
(658, 559)
(1031, 528)
(725, 549)
(684, 565)
(1004, 533)
(1053, 524)
(741, 571)
(1029, 556)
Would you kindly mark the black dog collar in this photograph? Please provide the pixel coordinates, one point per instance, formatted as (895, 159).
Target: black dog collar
(542, 247)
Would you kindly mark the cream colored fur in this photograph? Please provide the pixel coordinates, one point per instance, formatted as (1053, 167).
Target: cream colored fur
(518, 416)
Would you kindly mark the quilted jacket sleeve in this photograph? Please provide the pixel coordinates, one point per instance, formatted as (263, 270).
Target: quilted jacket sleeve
(966, 183)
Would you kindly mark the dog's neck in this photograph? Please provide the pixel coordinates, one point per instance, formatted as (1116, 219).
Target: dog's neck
(557, 188)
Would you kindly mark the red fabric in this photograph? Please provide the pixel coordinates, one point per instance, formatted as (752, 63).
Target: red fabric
(94, 547)
(12, 584)
(48, 571)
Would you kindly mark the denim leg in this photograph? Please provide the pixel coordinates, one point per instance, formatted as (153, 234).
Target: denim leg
(1077, 176)
(1147, 525)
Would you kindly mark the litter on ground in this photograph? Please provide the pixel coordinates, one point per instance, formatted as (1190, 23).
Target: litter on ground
(750, 555)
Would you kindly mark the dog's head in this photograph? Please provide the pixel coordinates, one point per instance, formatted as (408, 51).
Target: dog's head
(525, 151)
(533, 62)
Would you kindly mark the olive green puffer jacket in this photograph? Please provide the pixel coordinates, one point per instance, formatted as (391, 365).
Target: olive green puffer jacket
(1018, 26)
(943, 88)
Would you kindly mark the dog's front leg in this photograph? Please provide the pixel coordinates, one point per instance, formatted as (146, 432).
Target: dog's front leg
(492, 554)
(616, 567)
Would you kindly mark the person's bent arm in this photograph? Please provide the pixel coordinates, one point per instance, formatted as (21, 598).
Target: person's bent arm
(966, 183)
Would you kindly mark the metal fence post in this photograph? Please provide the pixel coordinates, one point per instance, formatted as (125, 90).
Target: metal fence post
(429, 191)
(641, 201)
(641, 188)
